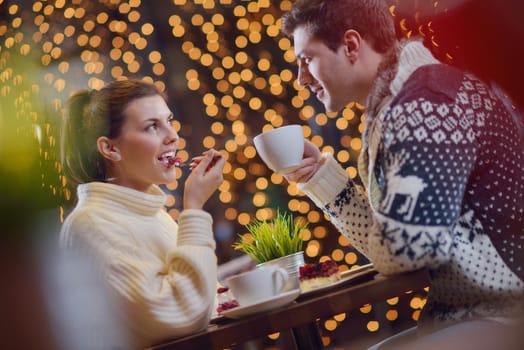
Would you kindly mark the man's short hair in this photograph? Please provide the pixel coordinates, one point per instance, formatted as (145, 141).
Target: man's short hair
(328, 20)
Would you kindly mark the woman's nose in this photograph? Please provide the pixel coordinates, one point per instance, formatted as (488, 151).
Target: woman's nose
(171, 136)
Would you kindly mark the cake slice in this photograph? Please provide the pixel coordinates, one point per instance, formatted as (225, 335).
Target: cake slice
(225, 300)
(317, 275)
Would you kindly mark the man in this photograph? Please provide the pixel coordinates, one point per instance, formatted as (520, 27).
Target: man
(441, 161)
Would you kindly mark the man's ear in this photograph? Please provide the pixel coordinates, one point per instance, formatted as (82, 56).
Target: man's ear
(352, 42)
(107, 149)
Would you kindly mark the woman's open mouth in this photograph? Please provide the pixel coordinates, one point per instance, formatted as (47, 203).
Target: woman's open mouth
(169, 159)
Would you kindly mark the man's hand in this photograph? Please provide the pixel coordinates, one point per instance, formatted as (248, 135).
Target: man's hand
(311, 162)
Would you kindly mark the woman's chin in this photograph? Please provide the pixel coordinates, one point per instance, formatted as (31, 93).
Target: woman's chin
(169, 177)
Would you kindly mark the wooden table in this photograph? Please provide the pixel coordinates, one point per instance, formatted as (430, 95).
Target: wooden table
(301, 315)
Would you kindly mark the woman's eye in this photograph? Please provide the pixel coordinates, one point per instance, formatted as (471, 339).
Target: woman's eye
(152, 127)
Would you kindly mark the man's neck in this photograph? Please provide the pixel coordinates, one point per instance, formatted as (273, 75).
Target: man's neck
(386, 71)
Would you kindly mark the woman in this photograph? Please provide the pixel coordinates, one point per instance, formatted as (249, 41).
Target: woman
(118, 146)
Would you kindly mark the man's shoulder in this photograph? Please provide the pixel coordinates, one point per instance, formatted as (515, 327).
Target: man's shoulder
(434, 82)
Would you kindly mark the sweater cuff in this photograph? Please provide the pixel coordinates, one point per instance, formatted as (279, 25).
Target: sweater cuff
(329, 180)
(195, 227)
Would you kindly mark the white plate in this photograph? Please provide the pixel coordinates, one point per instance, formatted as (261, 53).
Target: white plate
(265, 305)
(346, 276)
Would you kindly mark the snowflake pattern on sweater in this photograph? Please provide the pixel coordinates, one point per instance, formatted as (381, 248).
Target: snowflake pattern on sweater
(450, 173)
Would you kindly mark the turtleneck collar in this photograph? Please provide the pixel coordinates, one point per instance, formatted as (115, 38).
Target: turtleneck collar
(114, 197)
(413, 56)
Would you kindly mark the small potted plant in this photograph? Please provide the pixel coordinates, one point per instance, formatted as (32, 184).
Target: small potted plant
(276, 242)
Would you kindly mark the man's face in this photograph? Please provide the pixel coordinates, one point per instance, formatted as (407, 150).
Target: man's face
(329, 74)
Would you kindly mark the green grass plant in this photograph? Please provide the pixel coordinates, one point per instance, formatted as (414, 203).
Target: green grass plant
(268, 240)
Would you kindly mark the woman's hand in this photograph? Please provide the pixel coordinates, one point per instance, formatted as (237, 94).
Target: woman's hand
(311, 162)
(206, 176)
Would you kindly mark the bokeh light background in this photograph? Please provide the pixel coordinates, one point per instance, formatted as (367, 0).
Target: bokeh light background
(229, 74)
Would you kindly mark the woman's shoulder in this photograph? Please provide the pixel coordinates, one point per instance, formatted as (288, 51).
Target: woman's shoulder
(89, 225)
(79, 223)
(79, 217)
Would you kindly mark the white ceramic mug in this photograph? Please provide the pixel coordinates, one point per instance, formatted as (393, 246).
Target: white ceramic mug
(258, 284)
(281, 148)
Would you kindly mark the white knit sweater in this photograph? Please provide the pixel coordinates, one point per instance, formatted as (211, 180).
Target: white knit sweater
(162, 274)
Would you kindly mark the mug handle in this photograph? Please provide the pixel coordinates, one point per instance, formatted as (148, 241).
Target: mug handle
(280, 278)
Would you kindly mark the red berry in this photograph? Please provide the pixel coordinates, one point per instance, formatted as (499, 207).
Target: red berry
(222, 290)
(227, 305)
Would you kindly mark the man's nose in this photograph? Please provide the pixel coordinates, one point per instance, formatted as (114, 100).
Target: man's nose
(304, 77)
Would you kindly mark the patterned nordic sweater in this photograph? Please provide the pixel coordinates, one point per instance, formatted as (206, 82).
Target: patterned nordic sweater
(443, 166)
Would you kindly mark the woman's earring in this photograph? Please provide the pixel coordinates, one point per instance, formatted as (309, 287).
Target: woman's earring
(116, 157)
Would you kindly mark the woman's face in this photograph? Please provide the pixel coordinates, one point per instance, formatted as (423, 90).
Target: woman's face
(147, 145)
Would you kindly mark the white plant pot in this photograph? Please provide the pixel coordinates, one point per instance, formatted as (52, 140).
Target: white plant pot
(291, 263)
